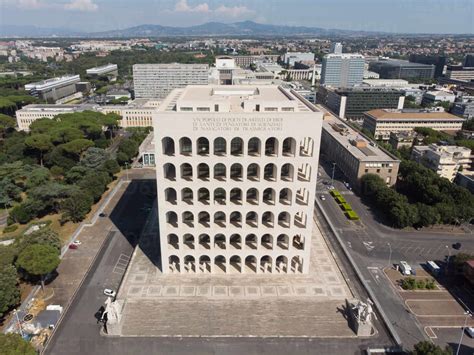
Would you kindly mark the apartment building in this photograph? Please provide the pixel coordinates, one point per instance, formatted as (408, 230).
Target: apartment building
(236, 178)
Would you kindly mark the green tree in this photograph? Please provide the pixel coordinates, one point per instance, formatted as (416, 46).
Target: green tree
(77, 146)
(7, 255)
(111, 166)
(37, 177)
(428, 348)
(94, 157)
(14, 344)
(75, 207)
(66, 134)
(41, 143)
(7, 123)
(38, 260)
(43, 236)
(9, 291)
(9, 192)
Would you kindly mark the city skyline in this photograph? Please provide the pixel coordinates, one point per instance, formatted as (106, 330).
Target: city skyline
(427, 16)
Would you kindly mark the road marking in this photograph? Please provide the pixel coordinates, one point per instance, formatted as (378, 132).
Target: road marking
(369, 245)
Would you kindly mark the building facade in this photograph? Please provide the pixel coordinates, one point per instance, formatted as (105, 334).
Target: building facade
(402, 69)
(342, 70)
(438, 61)
(351, 103)
(354, 154)
(54, 89)
(457, 72)
(236, 177)
(109, 71)
(158, 80)
(381, 122)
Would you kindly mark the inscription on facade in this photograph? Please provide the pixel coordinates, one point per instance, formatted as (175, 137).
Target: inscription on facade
(236, 124)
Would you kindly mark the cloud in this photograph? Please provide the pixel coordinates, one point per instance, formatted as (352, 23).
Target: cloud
(183, 6)
(234, 11)
(24, 4)
(81, 5)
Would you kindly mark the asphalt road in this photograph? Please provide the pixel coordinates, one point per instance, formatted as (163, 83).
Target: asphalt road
(375, 246)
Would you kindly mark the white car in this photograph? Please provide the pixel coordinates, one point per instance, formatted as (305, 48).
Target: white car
(77, 242)
(470, 331)
(322, 197)
(110, 293)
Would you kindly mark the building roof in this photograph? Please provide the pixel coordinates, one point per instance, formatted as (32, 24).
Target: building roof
(393, 114)
(403, 63)
(102, 69)
(354, 142)
(50, 83)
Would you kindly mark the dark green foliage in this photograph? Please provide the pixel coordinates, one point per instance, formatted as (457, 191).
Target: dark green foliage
(94, 158)
(38, 260)
(7, 123)
(44, 236)
(37, 177)
(428, 348)
(7, 255)
(13, 344)
(75, 207)
(9, 291)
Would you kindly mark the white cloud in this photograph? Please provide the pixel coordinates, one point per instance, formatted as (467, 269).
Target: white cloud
(234, 11)
(183, 6)
(81, 5)
(24, 4)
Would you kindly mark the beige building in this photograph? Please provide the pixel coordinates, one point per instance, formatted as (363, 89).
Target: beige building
(354, 154)
(381, 122)
(444, 160)
(236, 178)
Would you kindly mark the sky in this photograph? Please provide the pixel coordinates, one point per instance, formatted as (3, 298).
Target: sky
(402, 16)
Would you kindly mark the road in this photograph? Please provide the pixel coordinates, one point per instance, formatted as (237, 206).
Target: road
(374, 247)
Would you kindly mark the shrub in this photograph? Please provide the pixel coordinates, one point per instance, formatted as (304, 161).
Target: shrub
(11, 228)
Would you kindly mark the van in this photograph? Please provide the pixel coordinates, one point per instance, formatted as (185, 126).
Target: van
(405, 269)
(433, 267)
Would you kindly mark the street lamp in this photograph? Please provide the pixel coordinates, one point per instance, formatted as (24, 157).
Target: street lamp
(126, 170)
(333, 170)
(390, 255)
(449, 257)
(468, 314)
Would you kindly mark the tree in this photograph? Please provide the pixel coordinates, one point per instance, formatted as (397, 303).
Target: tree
(43, 236)
(41, 143)
(7, 123)
(9, 192)
(7, 255)
(9, 291)
(38, 177)
(428, 348)
(94, 157)
(75, 207)
(38, 260)
(66, 134)
(14, 344)
(77, 146)
(111, 166)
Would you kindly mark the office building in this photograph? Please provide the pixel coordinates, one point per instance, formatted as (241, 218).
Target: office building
(342, 70)
(468, 61)
(236, 177)
(158, 80)
(457, 72)
(336, 48)
(54, 89)
(444, 160)
(404, 139)
(244, 61)
(351, 103)
(402, 69)
(290, 58)
(434, 97)
(354, 154)
(109, 71)
(464, 109)
(381, 122)
(438, 61)
(389, 83)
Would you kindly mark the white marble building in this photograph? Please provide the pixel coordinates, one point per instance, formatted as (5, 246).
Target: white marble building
(236, 176)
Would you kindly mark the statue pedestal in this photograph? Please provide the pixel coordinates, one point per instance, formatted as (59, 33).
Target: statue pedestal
(360, 317)
(114, 316)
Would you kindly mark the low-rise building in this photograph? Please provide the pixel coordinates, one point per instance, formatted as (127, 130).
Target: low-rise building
(465, 180)
(445, 160)
(354, 154)
(457, 72)
(351, 103)
(109, 71)
(381, 122)
(54, 89)
(404, 139)
(433, 97)
(402, 69)
(464, 109)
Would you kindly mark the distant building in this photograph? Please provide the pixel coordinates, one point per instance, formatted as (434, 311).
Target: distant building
(354, 154)
(464, 109)
(402, 69)
(336, 48)
(404, 139)
(109, 71)
(465, 180)
(342, 70)
(158, 80)
(457, 72)
(438, 61)
(118, 94)
(445, 161)
(468, 60)
(434, 97)
(244, 61)
(351, 103)
(390, 83)
(381, 122)
(290, 58)
(146, 151)
(54, 89)
(371, 75)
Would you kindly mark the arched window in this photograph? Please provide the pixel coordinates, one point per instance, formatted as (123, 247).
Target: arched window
(170, 195)
(173, 262)
(283, 241)
(302, 196)
(167, 144)
(285, 196)
(204, 218)
(189, 264)
(250, 264)
(236, 172)
(236, 219)
(268, 219)
(236, 196)
(270, 172)
(172, 218)
(281, 265)
(203, 195)
(186, 171)
(287, 172)
(271, 147)
(219, 196)
(220, 146)
(173, 241)
(298, 242)
(205, 241)
(266, 264)
(203, 171)
(219, 241)
(169, 172)
(289, 147)
(269, 196)
(307, 147)
(203, 146)
(187, 195)
(267, 241)
(188, 241)
(236, 241)
(219, 218)
(185, 146)
(235, 264)
(251, 241)
(254, 147)
(253, 172)
(220, 263)
(304, 172)
(284, 219)
(219, 172)
(251, 219)
(188, 218)
(205, 264)
(237, 146)
(252, 196)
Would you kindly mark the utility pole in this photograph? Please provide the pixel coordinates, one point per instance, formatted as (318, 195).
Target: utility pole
(449, 258)
(126, 170)
(468, 315)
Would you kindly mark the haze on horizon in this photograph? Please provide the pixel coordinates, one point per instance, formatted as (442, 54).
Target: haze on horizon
(402, 16)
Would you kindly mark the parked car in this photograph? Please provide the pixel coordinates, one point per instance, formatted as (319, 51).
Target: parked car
(322, 197)
(457, 246)
(77, 242)
(109, 292)
(102, 214)
(470, 331)
(73, 246)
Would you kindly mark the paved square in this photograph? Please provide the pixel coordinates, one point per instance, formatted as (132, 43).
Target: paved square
(234, 305)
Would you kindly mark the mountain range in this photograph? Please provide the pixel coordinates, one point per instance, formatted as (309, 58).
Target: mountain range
(245, 28)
